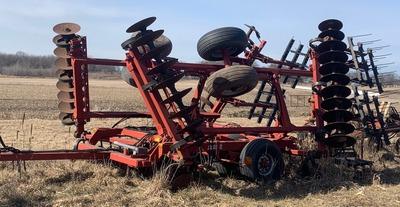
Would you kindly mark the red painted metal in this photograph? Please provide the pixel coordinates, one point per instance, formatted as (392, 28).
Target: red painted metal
(55, 155)
(168, 132)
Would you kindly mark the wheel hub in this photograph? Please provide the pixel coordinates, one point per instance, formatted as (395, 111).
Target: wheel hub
(265, 165)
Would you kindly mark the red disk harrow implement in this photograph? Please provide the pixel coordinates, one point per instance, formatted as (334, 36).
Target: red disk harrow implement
(185, 133)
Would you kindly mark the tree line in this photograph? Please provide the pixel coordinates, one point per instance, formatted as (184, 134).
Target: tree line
(23, 64)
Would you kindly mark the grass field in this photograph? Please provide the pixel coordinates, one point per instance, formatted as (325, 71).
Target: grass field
(84, 183)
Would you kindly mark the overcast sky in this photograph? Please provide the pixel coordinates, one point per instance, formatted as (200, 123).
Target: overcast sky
(26, 25)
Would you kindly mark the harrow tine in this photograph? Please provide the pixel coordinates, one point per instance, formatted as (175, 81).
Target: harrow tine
(361, 35)
(378, 58)
(384, 64)
(368, 42)
(383, 55)
(379, 47)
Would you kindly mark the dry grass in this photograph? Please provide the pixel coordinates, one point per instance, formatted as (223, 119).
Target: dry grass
(84, 183)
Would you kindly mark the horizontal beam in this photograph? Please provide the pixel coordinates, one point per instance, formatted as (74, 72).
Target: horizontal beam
(99, 61)
(256, 130)
(195, 68)
(54, 155)
(209, 68)
(112, 114)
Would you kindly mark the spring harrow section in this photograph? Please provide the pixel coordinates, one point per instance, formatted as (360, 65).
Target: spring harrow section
(159, 76)
(333, 69)
(65, 33)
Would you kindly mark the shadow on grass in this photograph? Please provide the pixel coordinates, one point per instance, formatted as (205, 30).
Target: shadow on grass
(17, 199)
(333, 178)
(390, 176)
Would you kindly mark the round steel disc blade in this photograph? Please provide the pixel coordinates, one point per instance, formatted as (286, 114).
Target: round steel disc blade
(65, 86)
(142, 40)
(335, 91)
(68, 121)
(60, 72)
(331, 45)
(141, 25)
(337, 115)
(332, 56)
(159, 68)
(60, 41)
(336, 102)
(66, 28)
(63, 115)
(333, 24)
(65, 76)
(337, 78)
(335, 34)
(156, 52)
(339, 127)
(61, 52)
(62, 63)
(340, 140)
(333, 67)
(66, 107)
(159, 42)
(66, 96)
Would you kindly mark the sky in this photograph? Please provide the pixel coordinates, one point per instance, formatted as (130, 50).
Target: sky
(26, 25)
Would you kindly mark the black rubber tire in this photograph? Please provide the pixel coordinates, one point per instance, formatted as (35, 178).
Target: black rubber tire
(232, 81)
(254, 150)
(231, 39)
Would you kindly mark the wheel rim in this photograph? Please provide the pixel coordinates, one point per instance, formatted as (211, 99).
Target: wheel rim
(265, 164)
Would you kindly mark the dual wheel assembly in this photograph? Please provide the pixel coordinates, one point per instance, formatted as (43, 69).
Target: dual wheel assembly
(234, 80)
(261, 159)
